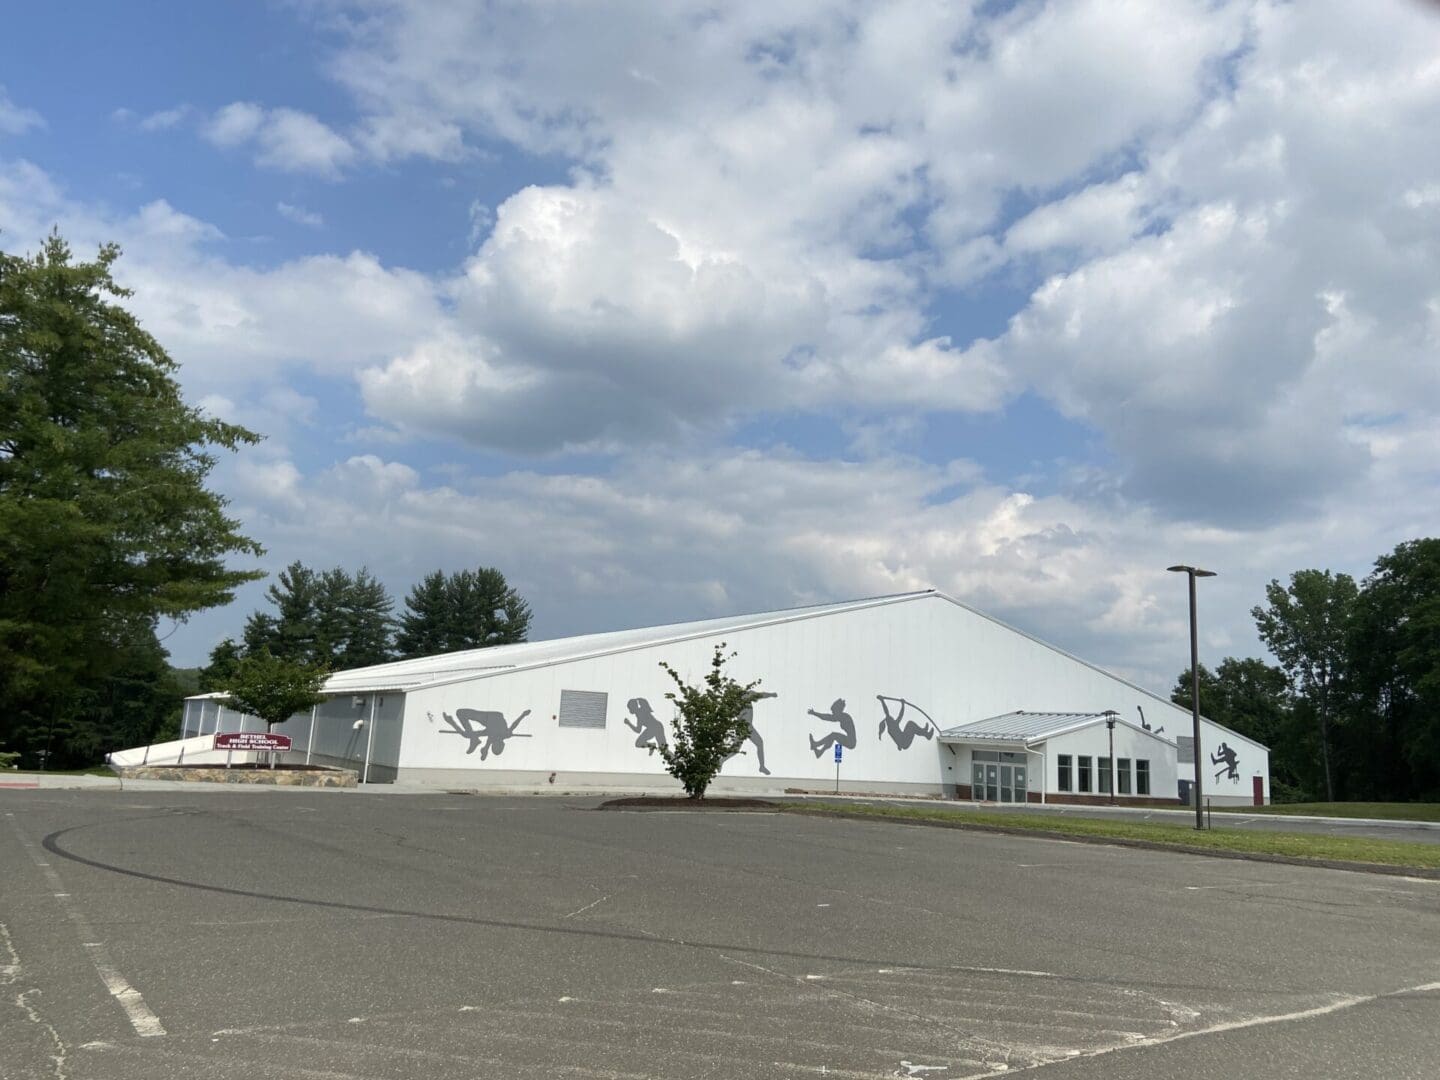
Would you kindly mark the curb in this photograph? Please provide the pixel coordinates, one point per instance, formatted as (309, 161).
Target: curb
(1386, 869)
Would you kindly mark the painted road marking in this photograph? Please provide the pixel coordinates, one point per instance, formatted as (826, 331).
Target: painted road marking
(145, 1022)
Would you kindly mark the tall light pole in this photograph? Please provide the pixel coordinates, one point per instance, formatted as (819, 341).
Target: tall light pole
(1110, 724)
(1193, 573)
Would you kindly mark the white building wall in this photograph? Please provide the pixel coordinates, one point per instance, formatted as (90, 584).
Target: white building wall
(1094, 742)
(951, 662)
(1221, 783)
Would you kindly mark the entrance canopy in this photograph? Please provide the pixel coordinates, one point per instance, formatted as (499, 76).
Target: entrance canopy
(1021, 728)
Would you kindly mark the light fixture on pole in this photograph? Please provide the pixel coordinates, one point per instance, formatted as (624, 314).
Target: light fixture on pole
(1110, 724)
(1193, 573)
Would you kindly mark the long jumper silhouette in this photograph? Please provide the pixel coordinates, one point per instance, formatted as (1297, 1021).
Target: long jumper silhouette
(845, 736)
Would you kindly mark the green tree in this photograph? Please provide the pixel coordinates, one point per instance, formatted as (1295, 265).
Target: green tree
(470, 609)
(331, 618)
(1307, 627)
(424, 626)
(224, 659)
(273, 688)
(369, 625)
(292, 631)
(710, 725)
(1393, 658)
(106, 523)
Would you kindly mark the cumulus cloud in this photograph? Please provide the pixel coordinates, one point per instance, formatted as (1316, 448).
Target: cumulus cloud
(16, 119)
(299, 215)
(284, 139)
(666, 538)
(1220, 251)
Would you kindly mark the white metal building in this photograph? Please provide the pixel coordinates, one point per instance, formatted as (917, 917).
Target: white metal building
(922, 694)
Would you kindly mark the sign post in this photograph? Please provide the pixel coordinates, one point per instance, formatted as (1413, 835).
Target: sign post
(838, 751)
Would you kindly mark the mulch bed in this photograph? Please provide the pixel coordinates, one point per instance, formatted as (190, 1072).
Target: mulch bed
(671, 802)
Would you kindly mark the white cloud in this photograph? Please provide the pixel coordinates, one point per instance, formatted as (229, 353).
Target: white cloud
(235, 124)
(1225, 244)
(16, 119)
(660, 538)
(299, 215)
(284, 139)
(165, 119)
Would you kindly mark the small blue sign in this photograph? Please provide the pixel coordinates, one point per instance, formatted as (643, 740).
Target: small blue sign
(838, 750)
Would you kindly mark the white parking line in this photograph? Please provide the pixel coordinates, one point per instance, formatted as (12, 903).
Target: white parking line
(145, 1022)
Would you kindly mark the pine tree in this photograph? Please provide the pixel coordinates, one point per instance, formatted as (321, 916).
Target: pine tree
(470, 609)
(106, 523)
(368, 623)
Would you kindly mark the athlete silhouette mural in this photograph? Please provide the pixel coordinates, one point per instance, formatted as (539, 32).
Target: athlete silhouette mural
(844, 737)
(484, 728)
(903, 735)
(1229, 760)
(650, 732)
(1146, 724)
(754, 737)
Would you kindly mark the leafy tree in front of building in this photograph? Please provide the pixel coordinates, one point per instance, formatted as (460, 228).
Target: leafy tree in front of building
(711, 723)
(274, 688)
(106, 523)
(469, 609)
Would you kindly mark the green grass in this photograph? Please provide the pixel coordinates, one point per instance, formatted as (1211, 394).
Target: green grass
(1395, 811)
(1179, 837)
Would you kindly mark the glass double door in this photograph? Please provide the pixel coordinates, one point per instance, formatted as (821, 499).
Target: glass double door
(998, 782)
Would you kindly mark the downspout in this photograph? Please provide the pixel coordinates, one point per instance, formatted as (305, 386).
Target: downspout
(310, 745)
(369, 740)
(1044, 776)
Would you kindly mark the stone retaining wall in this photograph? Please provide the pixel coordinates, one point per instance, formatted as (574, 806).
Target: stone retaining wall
(312, 777)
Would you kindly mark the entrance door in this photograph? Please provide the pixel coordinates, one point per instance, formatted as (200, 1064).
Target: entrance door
(1259, 789)
(997, 783)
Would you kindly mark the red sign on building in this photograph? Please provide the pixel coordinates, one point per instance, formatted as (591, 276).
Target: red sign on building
(251, 740)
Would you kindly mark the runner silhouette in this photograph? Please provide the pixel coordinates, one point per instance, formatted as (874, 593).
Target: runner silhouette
(650, 731)
(749, 714)
(484, 728)
(845, 736)
(901, 736)
(1229, 759)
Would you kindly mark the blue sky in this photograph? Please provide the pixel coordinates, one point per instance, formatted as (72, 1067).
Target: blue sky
(675, 314)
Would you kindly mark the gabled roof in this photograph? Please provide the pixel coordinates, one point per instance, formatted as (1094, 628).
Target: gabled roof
(1034, 727)
(403, 675)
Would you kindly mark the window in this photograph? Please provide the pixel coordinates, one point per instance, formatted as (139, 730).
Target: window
(1062, 771)
(1122, 775)
(1142, 777)
(998, 755)
(1105, 775)
(1084, 770)
(582, 708)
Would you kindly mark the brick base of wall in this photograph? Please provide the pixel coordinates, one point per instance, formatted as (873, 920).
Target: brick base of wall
(963, 793)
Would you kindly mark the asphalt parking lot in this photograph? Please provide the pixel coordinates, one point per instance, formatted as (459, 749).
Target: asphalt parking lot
(334, 935)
